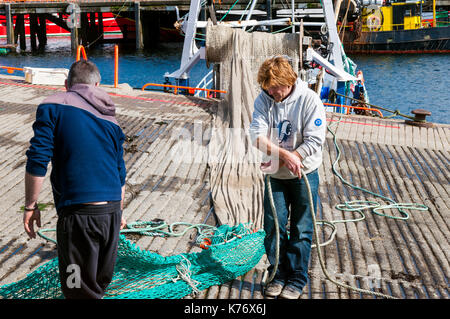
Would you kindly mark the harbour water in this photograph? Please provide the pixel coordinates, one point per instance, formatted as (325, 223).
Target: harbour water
(397, 82)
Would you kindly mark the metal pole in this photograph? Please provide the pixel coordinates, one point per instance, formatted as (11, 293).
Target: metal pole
(269, 11)
(293, 15)
(336, 57)
(300, 62)
(250, 12)
(434, 14)
(189, 47)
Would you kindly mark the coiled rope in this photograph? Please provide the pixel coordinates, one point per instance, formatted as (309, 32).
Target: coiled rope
(352, 206)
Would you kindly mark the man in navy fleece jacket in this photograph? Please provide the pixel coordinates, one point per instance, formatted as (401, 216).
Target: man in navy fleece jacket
(78, 132)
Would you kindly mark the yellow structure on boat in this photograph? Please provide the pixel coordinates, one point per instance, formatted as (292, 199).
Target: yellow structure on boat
(392, 16)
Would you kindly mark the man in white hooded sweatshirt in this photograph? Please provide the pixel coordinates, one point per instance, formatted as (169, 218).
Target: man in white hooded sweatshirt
(289, 126)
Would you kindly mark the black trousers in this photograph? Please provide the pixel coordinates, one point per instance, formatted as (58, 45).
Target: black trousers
(87, 237)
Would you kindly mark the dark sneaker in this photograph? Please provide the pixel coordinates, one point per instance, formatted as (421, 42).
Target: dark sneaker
(273, 289)
(290, 292)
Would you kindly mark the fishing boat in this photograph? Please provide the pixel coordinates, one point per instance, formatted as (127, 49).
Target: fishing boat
(397, 26)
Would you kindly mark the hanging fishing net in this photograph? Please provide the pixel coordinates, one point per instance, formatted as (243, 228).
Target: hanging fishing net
(237, 185)
(228, 253)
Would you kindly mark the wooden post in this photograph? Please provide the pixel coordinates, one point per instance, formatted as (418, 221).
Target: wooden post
(74, 38)
(20, 26)
(33, 31)
(84, 28)
(9, 24)
(100, 26)
(138, 23)
(42, 31)
(92, 30)
(116, 66)
(73, 24)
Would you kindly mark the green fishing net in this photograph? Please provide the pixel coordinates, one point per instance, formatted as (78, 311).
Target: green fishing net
(230, 251)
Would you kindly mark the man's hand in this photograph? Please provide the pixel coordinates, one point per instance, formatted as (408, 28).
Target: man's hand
(292, 161)
(33, 185)
(123, 223)
(271, 166)
(29, 217)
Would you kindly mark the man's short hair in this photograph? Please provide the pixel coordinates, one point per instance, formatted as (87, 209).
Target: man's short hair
(84, 72)
(276, 71)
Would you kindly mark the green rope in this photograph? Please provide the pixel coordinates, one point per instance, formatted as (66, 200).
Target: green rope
(231, 8)
(281, 30)
(245, 11)
(46, 230)
(376, 207)
(154, 228)
(319, 251)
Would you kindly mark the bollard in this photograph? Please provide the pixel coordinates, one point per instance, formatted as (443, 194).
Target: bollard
(420, 118)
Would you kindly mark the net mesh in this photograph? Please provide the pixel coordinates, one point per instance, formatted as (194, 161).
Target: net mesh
(142, 274)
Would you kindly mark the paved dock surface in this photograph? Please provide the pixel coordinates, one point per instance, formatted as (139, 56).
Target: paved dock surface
(402, 258)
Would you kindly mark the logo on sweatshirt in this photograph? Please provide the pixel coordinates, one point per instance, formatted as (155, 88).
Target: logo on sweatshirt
(284, 131)
(318, 122)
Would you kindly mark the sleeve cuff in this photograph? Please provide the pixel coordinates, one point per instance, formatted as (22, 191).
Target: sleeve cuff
(36, 170)
(301, 152)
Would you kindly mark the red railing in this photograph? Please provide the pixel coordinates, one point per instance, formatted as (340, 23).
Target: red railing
(81, 50)
(10, 69)
(190, 89)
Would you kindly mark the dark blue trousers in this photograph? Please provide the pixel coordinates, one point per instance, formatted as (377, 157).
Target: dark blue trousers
(291, 201)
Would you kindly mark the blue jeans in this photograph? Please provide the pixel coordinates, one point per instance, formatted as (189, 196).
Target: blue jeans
(295, 249)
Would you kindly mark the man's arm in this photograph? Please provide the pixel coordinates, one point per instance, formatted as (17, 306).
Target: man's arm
(39, 155)
(33, 186)
(292, 160)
